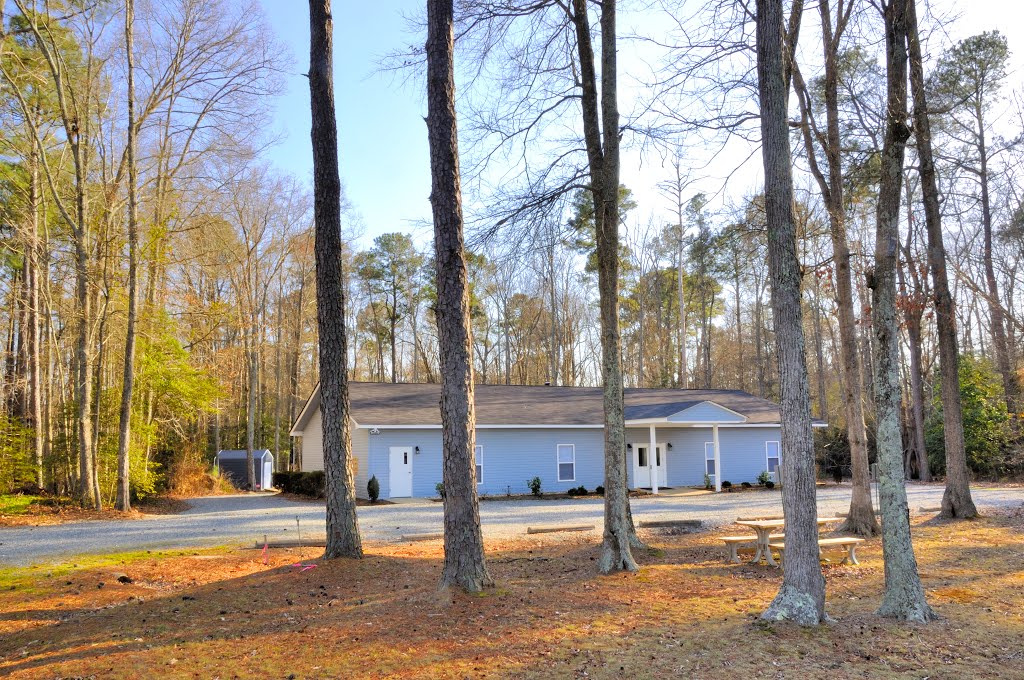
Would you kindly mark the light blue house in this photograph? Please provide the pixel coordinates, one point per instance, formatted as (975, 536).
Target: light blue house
(554, 433)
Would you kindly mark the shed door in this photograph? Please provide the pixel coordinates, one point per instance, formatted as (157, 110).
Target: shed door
(268, 474)
(401, 471)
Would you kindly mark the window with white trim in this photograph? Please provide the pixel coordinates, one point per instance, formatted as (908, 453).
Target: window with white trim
(773, 457)
(566, 462)
(709, 459)
(478, 454)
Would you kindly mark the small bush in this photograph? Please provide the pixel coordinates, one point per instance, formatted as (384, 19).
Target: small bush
(534, 486)
(765, 478)
(599, 490)
(578, 491)
(727, 484)
(301, 483)
(707, 481)
(572, 491)
(769, 484)
(373, 489)
(439, 488)
(746, 485)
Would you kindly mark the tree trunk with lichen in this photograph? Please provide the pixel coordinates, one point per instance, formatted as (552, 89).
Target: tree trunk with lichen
(904, 596)
(801, 598)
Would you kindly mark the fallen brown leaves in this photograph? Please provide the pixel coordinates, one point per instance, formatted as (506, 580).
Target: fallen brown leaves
(686, 614)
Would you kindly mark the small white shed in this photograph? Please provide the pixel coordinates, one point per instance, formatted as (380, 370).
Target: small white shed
(231, 463)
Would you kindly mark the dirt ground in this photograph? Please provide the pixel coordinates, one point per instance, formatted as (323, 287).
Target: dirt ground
(231, 614)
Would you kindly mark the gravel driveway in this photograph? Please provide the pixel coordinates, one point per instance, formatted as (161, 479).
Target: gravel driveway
(244, 519)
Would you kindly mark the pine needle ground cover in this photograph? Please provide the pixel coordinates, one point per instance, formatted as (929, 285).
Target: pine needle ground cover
(238, 613)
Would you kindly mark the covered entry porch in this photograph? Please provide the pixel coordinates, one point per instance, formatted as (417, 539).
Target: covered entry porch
(672, 445)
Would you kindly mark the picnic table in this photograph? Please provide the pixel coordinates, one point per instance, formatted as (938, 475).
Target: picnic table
(764, 528)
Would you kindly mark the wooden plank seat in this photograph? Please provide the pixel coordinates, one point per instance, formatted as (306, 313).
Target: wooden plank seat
(734, 542)
(847, 543)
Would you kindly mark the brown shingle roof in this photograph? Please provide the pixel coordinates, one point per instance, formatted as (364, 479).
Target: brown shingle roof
(388, 404)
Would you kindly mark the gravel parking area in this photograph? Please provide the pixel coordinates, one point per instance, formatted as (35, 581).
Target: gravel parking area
(244, 519)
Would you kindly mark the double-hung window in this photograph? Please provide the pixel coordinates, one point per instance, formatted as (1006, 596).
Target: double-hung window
(774, 458)
(567, 462)
(709, 460)
(478, 453)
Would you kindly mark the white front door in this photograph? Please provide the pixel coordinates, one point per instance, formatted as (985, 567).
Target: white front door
(643, 465)
(401, 471)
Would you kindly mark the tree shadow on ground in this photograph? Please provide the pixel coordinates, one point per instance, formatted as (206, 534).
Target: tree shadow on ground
(687, 613)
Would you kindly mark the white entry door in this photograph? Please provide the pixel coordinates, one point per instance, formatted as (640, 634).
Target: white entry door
(643, 465)
(401, 471)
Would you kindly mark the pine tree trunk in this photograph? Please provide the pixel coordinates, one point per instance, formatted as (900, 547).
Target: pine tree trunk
(123, 498)
(801, 598)
(464, 564)
(343, 538)
(600, 130)
(904, 595)
(956, 501)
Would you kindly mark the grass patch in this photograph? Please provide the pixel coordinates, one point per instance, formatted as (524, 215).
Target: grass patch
(16, 504)
(686, 614)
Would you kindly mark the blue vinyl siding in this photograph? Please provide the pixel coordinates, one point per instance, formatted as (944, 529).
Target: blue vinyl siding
(706, 412)
(511, 457)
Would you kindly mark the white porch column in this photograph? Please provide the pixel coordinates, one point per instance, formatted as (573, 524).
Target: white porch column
(652, 461)
(718, 459)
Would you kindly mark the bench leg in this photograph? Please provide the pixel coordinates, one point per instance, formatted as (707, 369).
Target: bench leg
(851, 555)
(734, 557)
(768, 554)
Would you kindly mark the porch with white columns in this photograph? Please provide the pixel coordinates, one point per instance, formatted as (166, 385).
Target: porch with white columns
(652, 461)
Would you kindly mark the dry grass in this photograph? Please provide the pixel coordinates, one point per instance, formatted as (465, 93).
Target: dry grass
(686, 614)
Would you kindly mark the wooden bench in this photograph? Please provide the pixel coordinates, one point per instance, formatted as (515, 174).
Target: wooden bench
(734, 542)
(848, 544)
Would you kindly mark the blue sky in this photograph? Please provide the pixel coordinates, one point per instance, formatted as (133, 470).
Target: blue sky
(381, 135)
